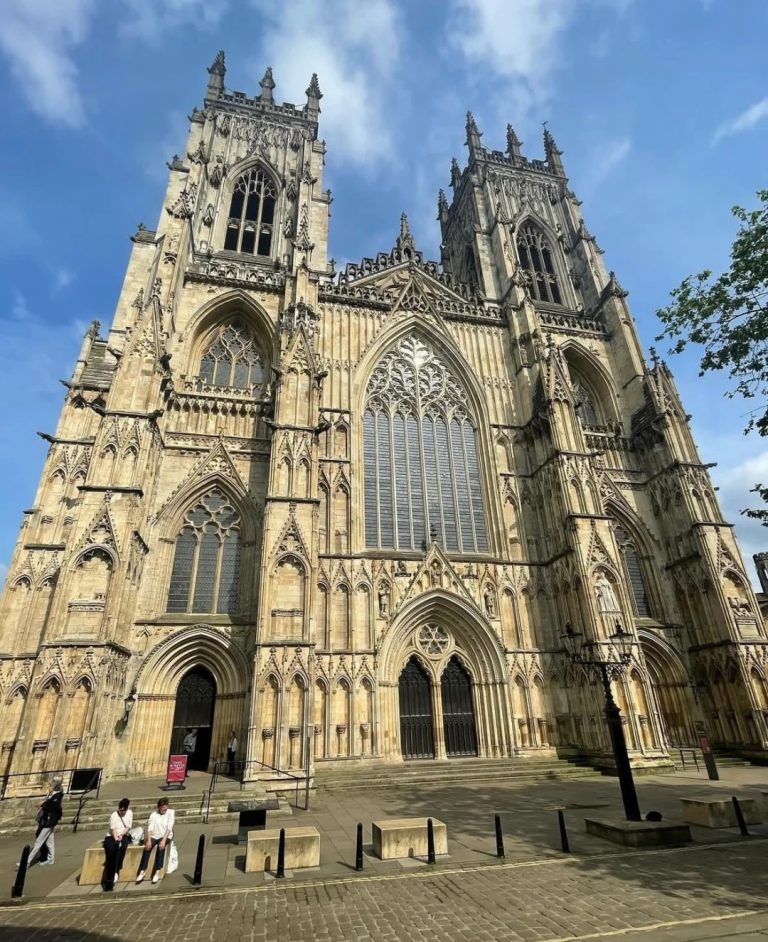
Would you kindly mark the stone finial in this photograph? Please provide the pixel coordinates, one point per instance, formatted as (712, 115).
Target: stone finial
(405, 239)
(455, 173)
(553, 153)
(267, 86)
(313, 98)
(514, 144)
(473, 134)
(442, 207)
(216, 72)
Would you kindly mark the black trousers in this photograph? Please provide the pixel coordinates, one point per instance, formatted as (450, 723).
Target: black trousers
(231, 761)
(110, 845)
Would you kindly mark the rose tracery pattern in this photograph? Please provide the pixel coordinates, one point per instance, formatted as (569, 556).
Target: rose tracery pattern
(422, 475)
(433, 640)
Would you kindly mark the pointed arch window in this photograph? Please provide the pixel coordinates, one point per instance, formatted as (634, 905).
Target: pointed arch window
(232, 358)
(585, 404)
(634, 571)
(206, 563)
(535, 254)
(251, 221)
(421, 471)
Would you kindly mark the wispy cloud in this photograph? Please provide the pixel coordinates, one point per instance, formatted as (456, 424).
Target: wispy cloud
(734, 486)
(742, 122)
(20, 307)
(62, 278)
(355, 49)
(609, 157)
(154, 154)
(150, 19)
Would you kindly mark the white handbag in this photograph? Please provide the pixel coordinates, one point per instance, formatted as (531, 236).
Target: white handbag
(137, 835)
(173, 860)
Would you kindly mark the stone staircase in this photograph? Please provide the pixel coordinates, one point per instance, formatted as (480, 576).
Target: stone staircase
(452, 772)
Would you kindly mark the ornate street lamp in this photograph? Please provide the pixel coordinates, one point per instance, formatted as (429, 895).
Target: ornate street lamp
(622, 642)
(128, 705)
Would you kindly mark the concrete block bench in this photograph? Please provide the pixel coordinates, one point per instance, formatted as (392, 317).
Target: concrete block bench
(719, 812)
(92, 871)
(394, 838)
(302, 849)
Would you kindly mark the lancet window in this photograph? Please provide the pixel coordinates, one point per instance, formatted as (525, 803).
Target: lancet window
(206, 564)
(585, 404)
(634, 570)
(232, 358)
(250, 226)
(535, 256)
(422, 474)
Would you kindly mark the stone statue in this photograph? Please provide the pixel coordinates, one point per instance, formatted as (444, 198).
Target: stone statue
(384, 600)
(606, 597)
(490, 603)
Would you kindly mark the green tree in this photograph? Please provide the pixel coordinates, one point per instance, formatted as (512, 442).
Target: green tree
(727, 316)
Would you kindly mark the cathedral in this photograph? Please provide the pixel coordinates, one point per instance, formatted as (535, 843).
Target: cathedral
(349, 515)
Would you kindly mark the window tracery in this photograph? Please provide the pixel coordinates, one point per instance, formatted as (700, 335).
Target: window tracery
(635, 575)
(250, 225)
(585, 404)
(232, 358)
(535, 256)
(206, 565)
(422, 474)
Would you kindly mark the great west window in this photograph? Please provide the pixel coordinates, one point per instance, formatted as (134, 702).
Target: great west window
(422, 476)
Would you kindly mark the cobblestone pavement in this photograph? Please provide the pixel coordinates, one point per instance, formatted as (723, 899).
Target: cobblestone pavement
(683, 894)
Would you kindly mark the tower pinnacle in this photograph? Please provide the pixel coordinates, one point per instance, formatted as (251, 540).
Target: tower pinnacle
(216, 71)
(552, 152)
(514, 144)
(313, 98)
(267, 85)
(473, 134)
(455, 173)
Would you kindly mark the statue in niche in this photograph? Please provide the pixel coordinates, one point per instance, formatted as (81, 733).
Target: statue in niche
(739, 606)
(606, 597)
(401, 569)
(489, 598)
(384, 600)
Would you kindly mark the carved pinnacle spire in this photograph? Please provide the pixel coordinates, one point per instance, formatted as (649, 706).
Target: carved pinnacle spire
(513, 144)
(442, 207)
(405, 239)
(267, 85)
(216, 72)
(313, 98)
(473, 134)
(552, 152)
(455, 173)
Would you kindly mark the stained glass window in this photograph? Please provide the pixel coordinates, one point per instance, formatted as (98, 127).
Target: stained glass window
(232, 358)
(206, 564)
(535, 256)
(635, 573)
(252, 214)
(421, 467)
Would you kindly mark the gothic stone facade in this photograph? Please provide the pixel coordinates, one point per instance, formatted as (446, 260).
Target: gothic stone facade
(348, 515)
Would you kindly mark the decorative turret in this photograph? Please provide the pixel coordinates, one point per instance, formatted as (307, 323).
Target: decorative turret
(514, 144)
(313, 98)
(455, 173)
(267, 85)
(553, 154)
(405, 239)
(473, 135)
(216, 73)
(442, 207)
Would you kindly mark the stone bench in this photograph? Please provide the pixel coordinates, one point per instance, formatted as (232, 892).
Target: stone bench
(394, 838)
(92, 871)
(302, 849)
(719, 812)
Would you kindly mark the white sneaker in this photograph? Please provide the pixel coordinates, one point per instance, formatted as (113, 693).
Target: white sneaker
(139, 876)
(116, 877)
(156, 878)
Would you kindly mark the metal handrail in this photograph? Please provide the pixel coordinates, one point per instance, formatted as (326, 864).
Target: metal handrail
(241, 766)
(45, 776)
(693, 753)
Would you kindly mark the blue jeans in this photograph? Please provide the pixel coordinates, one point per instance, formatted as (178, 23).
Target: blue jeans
(159, 856)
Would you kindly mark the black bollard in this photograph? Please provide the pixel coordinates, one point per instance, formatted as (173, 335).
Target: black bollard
(17, 890)
(197, 877)
(430, 842)
(281, 855)
(108, 884)
(359, 848)
(740, 817)
(499, 838)
(563, 832)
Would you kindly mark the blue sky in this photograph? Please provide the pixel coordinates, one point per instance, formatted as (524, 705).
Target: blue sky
(661, 109)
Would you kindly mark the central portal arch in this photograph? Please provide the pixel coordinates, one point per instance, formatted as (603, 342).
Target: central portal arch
(195, 707)
(417, 721)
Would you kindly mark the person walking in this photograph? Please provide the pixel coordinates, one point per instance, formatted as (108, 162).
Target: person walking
(48, 816)
(159, 834)
(231, 753)
(188, 748)
(118, 838)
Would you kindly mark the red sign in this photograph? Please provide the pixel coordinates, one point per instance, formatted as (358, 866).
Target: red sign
(704, 744)
(177, 769)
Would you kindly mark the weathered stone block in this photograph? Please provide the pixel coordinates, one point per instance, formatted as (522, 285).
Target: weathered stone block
(639, 833)
(94, 859)
(719, 812)
(302, 849)
(406, 837)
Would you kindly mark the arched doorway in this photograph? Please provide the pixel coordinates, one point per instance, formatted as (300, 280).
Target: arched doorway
(458, 710)
(195, 702)
(416, 721)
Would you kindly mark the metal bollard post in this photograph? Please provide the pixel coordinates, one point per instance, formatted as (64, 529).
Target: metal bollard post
(359, 848)
(197, 877)
(281, 855)
(499, 838)
(430, 842)
(17, 890)
(563, 832)
(740, 817)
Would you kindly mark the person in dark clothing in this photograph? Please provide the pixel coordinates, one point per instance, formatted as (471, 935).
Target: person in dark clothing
(48, 816)
(118, 838)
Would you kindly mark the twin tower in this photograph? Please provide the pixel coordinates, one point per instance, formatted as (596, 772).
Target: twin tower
(349, 514)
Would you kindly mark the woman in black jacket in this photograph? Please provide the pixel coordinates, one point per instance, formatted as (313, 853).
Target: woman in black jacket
(48, 817)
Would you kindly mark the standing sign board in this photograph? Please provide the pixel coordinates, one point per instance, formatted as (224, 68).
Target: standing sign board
(177, 771)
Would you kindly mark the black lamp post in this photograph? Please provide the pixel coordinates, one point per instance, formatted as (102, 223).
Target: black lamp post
(622, 643)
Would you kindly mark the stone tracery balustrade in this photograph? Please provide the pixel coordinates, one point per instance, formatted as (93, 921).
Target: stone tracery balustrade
(571, 322)
(240, 272)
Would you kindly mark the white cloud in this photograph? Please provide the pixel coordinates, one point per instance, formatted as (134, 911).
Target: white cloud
(608, 158)
(20, 308)
(37, 37)
(734, 486)
(354, 48)
(742, 122)
(150, 19)
(62, 278)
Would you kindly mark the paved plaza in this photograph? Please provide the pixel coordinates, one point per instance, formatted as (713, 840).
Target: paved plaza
(715, 888)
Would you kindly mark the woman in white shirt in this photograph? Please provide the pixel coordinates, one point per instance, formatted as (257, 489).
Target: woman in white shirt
(159, 833)
(118, 837)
